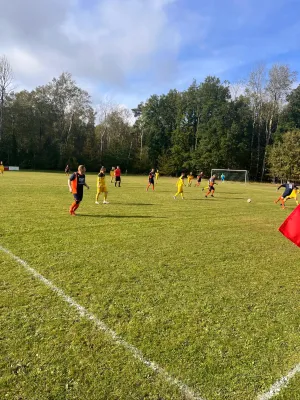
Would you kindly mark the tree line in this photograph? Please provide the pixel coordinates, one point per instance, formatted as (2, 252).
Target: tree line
(252, 125)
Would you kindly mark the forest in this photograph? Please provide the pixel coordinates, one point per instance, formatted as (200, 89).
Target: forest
(252, 125)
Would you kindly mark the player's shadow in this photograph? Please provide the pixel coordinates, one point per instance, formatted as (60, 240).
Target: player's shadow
(135, 204)
(201, 199)
(228, 192)
(233, 198)
(118, 216)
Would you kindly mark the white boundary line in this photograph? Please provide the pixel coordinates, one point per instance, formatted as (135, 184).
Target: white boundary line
(280, 384)
(84, 313)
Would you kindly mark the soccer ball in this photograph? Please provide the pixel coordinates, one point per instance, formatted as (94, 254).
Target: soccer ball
(249, 200)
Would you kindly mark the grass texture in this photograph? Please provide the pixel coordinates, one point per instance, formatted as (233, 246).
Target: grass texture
(206, 288)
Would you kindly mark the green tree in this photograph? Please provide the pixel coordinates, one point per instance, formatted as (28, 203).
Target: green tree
(284, 156)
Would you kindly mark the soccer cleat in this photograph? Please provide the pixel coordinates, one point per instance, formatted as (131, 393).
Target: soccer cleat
(96, 202)
(174, 197)
(205, 196)
(212, 195)
(105, 202)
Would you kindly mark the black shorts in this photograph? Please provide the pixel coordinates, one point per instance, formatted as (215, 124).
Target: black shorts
(199, 180)
(78, 197)
(211, 188)
(287, 193)
(118, 179)
(151, 181)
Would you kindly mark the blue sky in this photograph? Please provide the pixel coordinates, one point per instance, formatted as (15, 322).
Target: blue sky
(130, 49)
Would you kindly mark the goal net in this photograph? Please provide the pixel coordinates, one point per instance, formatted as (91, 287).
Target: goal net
(235, 175)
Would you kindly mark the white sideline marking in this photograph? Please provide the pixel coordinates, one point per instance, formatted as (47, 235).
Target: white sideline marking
(83, 312)
(281, 383)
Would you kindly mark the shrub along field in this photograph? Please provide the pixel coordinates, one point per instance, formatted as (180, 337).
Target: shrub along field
(207, 289)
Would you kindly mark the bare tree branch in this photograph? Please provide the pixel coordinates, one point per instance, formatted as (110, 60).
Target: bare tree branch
(6, 80)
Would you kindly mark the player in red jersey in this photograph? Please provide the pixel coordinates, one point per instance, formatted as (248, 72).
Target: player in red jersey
(117, 174)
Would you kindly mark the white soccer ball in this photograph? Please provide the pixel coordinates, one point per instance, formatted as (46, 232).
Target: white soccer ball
(249, 200)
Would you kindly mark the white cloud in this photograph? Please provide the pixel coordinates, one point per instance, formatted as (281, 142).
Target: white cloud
(105, 46)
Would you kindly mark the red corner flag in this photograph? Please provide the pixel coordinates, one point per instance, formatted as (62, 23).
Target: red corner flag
(291, 227)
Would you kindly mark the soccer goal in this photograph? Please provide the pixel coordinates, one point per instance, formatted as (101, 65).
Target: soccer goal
(236, 175)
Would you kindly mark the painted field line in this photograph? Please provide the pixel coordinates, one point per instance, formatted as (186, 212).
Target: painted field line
(280, 384)
(84, 313)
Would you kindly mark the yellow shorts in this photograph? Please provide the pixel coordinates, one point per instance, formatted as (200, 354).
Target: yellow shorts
(180, 189)
(102, 189)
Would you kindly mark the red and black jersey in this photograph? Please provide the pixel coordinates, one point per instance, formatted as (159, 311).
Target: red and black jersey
(77, 182)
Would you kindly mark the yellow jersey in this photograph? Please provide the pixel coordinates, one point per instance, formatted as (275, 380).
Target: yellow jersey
(101, 179)
(180, 183)
(190, 178)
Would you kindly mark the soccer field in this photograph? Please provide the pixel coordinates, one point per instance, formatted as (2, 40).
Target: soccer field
(146, 297)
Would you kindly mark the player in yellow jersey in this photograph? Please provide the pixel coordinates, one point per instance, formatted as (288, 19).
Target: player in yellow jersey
(101, 186)
(112, 174)
(1, 168)
(190, 179)
(156, 175)
(180, 184)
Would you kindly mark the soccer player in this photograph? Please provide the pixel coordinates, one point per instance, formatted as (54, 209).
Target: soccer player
(190, 179)
(156, 175)
(288, 189)
(112, 174)
(222, 178)
(101, 186)
(293, 195)
(151, 179)
(211, 186)
(117, 174)
(67, 170)
(76, 183)
(1, 168)
(180, 184)
(199, 179)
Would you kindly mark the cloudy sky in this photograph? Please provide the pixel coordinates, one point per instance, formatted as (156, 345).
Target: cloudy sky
(130, 49)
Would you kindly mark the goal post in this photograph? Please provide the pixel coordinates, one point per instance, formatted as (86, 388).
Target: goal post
(235, 175)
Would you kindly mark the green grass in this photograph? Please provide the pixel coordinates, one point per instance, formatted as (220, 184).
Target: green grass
(206, 288)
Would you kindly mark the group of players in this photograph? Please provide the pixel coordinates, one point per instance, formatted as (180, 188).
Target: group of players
(77, 180)
(290, 192)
